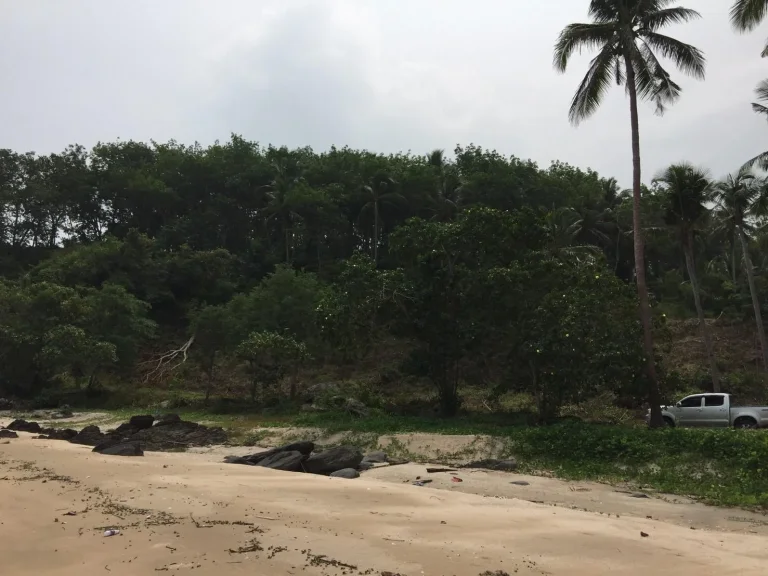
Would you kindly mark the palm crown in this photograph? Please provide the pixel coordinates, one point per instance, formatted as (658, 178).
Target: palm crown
(627, 32)
(746, 15)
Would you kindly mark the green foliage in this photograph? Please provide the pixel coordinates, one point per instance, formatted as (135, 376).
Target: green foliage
(269, 357)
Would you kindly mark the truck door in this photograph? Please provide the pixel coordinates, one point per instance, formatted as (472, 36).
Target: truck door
(716, 412)
(689, 410)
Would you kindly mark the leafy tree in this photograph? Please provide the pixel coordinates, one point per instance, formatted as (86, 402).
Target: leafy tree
(686, 191)
(626, 33)
(68, 349)
(212, 329)
(740, 197)
(270, 356)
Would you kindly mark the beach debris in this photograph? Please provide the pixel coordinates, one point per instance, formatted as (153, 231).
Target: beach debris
(111, 532)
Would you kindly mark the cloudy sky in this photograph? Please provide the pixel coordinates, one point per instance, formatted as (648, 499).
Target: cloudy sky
(387, 75)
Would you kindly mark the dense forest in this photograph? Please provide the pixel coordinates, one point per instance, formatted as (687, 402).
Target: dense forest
(122, 263)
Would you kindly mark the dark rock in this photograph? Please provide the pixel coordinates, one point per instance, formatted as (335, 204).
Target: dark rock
(178, 435)
(333, 459)
(349, 473)
(165, 419)
(120, 449)
(8, 434)
(24, 426)
(236, 460)
(520, 483)
(365, 465)
(376, 457)
(59, 433)
(507, 465)
(357, 408)
(88, 436)
(142, 421)
(288, 461)
(302, 447)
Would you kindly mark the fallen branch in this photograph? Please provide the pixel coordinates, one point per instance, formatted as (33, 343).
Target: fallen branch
(169, 361)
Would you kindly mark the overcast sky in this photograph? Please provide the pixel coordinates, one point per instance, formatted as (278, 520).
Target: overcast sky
(387, 75)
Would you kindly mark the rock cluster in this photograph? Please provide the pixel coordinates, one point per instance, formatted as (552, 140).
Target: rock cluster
(337, 462)
(141, 432)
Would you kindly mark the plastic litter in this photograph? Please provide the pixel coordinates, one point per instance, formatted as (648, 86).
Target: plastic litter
(111, 533)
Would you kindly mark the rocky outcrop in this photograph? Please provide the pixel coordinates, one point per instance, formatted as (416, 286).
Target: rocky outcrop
(119, 449)
(58, 433)
(181, 434)
(8, 434)
(333, 459)
(89, 436)
(24, 426)
(289, 461)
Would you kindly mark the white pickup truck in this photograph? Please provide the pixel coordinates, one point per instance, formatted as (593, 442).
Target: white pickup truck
(713, 411)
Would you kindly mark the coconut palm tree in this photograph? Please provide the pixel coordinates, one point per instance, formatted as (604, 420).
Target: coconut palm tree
(740, 197)
(380, 190)
(626, 34)
(746, 15)
(279, 194)
(447, 194)
(686, 190)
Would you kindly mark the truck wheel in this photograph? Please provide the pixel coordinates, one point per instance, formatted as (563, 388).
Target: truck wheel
(668, 422)
(745, 423)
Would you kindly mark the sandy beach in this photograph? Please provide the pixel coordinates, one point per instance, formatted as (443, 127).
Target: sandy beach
(189, 513)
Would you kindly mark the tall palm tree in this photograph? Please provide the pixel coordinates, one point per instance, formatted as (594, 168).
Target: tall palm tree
(739, 197)
(380, 190)
(279, 193)
(626, 34)
(686, 191)
(746, 15)
(761, 160)
(447, 194)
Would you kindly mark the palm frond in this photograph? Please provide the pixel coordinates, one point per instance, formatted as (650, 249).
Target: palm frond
(688, 59)
(660, 18)
(577, 37)
(747, 14)
(593, 87)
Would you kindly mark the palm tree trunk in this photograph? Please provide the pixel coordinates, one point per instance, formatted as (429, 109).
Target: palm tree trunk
(287, 246)
(755, 299)
(376, 231)
(654, 395)
(688, 249)
(733, 258)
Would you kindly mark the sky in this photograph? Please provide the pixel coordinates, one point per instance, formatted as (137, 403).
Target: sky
(385, 75)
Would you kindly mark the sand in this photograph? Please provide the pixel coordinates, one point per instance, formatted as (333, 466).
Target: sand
(188, 513)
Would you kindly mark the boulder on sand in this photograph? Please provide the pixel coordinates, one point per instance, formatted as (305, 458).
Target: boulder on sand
(8, 434)
(119, 449)
(179, 435)
(290, 461)
(376, 457)
(135, 424)
(349, 473)
(333, 460)
(89, 436)
(58, 433)
(24, 426)
(304, 448)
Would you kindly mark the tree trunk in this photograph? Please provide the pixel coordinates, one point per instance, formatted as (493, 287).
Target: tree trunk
(688, 250)
(287, 246)
(733, 258)
(654, 395)
(755, 299)
(376, 231)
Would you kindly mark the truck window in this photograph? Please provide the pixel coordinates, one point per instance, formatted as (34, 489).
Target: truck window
(691, 402)
(714, 400)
